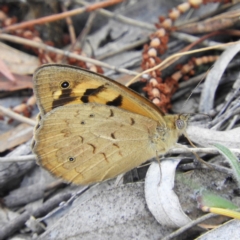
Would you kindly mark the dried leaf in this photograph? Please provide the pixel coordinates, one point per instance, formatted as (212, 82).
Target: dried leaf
(17, 61)
(213, 79)
(22, 133)
(207, 137)
(162, 202)
(22, 82)
(6, 72)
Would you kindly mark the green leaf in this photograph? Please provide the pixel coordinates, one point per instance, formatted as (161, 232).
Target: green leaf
(212, 200)
(232, 159)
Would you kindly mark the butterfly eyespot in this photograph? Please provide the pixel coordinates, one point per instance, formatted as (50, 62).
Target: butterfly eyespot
(91, 115)
(180, 124)
(82, 122)
(71, 159)
(65, 85)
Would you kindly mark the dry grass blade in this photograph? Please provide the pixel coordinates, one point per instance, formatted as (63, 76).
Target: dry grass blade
(174, 57)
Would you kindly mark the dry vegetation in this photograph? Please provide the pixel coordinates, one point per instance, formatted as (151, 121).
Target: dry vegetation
(184, 49)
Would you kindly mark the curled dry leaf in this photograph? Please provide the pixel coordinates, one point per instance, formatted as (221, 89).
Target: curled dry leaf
(213, 79)
(206, 137)
(6, 72)
(15, 137)
(22, 82)
(162, 202)
(17, 61)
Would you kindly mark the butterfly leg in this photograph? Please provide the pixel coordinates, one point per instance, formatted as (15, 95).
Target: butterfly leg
(195, 154)
(159, 163)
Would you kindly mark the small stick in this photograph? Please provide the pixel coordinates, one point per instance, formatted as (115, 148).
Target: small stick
(189, 225)
(59, 16)
(45, 47)
(16, 116)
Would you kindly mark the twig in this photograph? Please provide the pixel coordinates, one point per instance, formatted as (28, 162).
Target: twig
(199, 150)
(69, 201)
(193, 39)
(121, 18)
(45, 47)
(18, 158)
(189, 225)
(18, 222)
(123, 49)
(190, 166)
(83, 35)
(59, 16)
(190, 38)
(218, 122)
(17, 116)
(213, 151)
(232, 122)
(207, 15)
(70, 25)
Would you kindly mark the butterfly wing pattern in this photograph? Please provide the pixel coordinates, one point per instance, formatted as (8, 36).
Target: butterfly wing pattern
(59, 85)
(84, 139)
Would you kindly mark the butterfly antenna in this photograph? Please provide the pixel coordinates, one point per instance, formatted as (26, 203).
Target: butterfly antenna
(195, 154)
(196, 87)
(191, 143)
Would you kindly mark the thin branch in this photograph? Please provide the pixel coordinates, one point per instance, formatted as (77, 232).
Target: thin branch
(18, 158)
(190, 38)
(8, 112)
(47, 48)
(189, 225)
(69, 23)
(213, 151)
(18, 222)
(121, 18)
(123, 49)
(87, 28)
(199, 150)
(59, 16)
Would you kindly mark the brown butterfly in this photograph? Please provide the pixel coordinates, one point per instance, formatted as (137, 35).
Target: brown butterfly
(92, 128)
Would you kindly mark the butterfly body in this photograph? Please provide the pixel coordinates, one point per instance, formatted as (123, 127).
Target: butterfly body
(92, 129)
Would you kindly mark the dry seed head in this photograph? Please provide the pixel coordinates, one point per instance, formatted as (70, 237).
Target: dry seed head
(152, 52)
(155, 42)
(174, 14)
(183, 7)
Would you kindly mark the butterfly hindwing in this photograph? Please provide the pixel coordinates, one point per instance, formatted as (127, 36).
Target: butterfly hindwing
(91, 142)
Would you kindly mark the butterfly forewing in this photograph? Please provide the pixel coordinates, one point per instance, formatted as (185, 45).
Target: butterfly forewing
(59, 85)
(89, 143)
